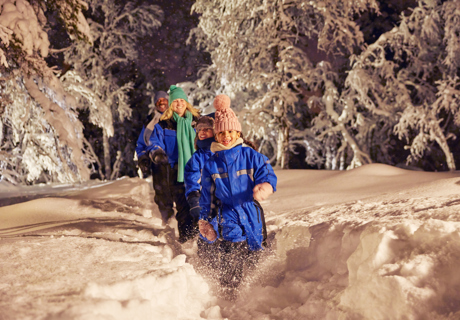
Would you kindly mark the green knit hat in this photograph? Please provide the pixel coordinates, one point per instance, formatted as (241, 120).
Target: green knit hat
(176, 93)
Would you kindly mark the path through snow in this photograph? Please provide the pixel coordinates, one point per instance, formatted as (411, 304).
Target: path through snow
(375, 242)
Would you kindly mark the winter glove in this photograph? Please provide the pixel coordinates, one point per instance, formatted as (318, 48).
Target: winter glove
(262, 191)
(207, 230)
(195, 213)
(144, 164)
(193, 200)
(159, 157)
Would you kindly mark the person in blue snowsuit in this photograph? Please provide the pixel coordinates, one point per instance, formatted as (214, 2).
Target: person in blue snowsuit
(159, 172)
(207, 250)
(161, 104)
(239, 177)
(172, 145)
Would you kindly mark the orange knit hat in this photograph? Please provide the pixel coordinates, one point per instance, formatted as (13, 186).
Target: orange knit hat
(225, 118)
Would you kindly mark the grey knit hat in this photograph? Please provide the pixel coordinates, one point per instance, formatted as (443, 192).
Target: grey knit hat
(204, 122)
(159, 95)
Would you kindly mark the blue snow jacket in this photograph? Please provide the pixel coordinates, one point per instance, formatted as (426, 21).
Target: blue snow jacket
(141, 145)
(230, 175)
(193, 168)
(192, 178)
(164, 137)
(144, 137)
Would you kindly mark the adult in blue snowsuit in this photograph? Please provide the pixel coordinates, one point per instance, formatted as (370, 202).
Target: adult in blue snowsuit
(172, 145)
(161, 104)
(207, 250)
(159, 171)
(239, 177)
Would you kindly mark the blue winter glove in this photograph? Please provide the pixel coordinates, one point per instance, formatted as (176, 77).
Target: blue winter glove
(193, 200)
(195, 213)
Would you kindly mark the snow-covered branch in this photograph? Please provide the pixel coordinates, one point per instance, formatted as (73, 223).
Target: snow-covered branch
(115, 28)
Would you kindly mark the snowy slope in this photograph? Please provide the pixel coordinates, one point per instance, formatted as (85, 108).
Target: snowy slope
(376, 242)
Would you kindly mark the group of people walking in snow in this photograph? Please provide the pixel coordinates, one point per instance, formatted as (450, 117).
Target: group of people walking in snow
(215, 178)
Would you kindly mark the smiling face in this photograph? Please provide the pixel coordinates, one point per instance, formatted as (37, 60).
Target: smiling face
(179, 106)
(162, 105)
(205, 133)
(228, 138)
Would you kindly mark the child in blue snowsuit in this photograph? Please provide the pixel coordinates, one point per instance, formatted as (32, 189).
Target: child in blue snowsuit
(239, 177)
(207, 250)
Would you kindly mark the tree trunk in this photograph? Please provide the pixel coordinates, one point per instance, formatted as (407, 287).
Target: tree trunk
(359, 157)
(94, 158)
(282, 153)
(442, 141)
(63, 128)
(331, 154)
(106, 145)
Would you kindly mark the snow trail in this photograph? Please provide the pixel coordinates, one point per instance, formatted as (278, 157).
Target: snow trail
(389, 250)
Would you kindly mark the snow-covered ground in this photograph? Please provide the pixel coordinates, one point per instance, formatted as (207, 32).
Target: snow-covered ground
(376, 242)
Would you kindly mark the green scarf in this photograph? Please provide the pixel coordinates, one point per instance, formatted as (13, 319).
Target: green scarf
(185, 141)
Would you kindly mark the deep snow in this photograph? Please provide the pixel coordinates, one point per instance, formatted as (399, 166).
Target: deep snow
(376, 242)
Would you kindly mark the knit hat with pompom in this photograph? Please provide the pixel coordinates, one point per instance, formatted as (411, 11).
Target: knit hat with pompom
(225, 118)
(176, 93)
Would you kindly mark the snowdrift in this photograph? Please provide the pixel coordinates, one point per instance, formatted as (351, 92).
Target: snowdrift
(376, 242)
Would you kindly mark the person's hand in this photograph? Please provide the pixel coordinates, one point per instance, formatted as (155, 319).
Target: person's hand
(262, 191)
(144, 164)
(207, 230)
(159, 157)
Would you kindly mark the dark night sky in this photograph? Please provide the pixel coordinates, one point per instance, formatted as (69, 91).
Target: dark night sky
(166, 50)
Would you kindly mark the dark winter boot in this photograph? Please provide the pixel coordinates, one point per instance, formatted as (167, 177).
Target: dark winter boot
(188, 229)
(232, 260)
(163, 197)
(230, 294)
(209, 257)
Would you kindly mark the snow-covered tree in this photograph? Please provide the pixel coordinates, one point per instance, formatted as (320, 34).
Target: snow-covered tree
(261, 47)
(380, 78)
(115, 29)
(41, 137)
(408, 80)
